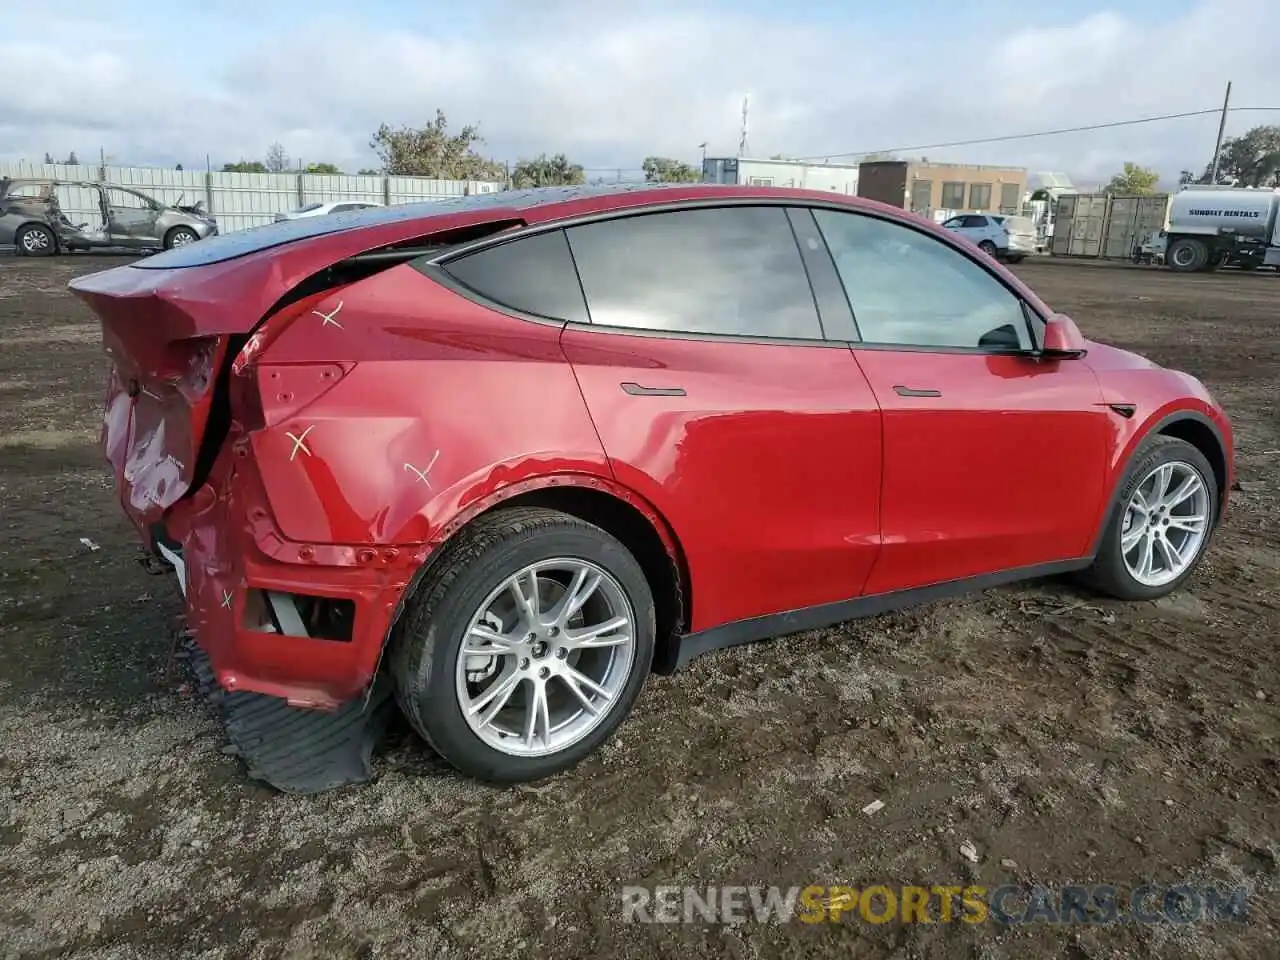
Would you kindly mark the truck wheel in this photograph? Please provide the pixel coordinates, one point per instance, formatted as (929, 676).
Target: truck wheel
(526, 646)
(1187, 256)
(34, 240)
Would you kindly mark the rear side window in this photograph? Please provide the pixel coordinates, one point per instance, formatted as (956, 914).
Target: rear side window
(729, 270)
(533, 275)
(27, 191)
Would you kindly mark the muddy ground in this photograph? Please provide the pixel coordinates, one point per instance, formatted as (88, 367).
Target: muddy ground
(1069, 739)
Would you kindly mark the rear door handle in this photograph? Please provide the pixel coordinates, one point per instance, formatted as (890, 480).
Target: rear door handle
(912, 392)
(638, 391)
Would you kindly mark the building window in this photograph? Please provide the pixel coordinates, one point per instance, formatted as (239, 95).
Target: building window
(1010, 198)
(760, 181)
(979, 196)
(921, 196)
(953, 196)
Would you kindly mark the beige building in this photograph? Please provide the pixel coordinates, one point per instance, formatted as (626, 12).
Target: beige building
(933, 189)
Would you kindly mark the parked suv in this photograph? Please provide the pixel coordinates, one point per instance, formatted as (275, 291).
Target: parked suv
(1006, 237)
(37, 218)
(510, 452)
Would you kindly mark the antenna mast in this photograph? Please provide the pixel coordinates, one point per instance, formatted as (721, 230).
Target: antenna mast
(742, 141)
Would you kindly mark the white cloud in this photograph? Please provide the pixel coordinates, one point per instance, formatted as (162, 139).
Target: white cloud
(610, 89)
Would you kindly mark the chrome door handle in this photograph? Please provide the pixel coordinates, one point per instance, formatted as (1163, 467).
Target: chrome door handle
(635, 390)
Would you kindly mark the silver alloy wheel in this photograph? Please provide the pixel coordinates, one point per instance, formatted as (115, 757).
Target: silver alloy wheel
(33, 241)
(184, 237)
(546, 657)
(1165, 524)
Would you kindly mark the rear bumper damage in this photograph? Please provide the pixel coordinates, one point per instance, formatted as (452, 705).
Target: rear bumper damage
(303, 707)
(305, 623)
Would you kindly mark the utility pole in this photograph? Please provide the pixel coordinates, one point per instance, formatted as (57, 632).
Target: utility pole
(703, 145)
(742, 141)
(1222, 126)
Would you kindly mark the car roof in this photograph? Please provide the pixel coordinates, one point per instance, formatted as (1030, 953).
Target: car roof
(536, 205)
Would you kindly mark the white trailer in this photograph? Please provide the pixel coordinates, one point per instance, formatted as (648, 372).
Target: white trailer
(1209, 227)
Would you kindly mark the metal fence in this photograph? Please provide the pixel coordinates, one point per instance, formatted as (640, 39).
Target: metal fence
(238, 200)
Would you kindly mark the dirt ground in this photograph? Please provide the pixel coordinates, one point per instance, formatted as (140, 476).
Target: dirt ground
(1069, 739)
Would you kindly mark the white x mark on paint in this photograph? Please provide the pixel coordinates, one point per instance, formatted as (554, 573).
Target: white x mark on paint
(300, 442)
(226, 599)
(327, 318)
(422, 474)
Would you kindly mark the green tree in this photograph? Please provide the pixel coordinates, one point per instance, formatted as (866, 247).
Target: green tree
(321, 168)
(666, 170)
(1251, 159)
(1133, 180)
(431, 151)
(368, 172)
(245, 166)
(1185, 177)
(544, 171)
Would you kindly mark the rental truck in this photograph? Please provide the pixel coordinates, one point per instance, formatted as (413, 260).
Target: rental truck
(1209, 227)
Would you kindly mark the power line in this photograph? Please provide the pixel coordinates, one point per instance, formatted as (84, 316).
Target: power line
(1040, 133)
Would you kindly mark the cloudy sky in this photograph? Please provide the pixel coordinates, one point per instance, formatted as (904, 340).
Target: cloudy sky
(610, 83)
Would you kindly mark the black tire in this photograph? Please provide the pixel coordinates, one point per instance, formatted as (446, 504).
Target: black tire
(1014, 258)
(424, 650)
(1108, 574)
(987, 247)
(179, 236)
(35, 240)
(1186, 255)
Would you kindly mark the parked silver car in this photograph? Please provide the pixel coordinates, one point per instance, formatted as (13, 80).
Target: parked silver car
(1009, 238)
(34, 218)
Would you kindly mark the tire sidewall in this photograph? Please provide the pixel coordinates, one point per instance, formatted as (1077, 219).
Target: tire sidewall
(1199, 261)
(435, 663)
(1147, 459)
(48, 251)
(172, 234)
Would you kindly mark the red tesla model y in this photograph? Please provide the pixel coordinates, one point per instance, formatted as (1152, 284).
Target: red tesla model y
(514, 451)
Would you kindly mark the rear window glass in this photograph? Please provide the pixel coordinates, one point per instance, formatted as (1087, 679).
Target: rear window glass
(534, 275)
(26, 190)
(1019, 225)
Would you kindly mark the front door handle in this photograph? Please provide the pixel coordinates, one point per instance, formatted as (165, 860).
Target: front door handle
(912, 392)
(638, 391)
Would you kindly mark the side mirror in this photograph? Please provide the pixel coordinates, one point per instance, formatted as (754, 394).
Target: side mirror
(1062, 339)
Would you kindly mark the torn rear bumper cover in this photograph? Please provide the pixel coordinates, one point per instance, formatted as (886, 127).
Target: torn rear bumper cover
(293, 749)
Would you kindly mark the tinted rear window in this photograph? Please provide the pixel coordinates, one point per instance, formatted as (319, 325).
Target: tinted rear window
(533, 275)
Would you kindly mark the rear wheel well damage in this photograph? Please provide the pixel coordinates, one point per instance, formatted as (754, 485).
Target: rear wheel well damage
(660, 558)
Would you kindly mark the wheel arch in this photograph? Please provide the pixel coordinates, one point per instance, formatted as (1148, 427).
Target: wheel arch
(174, 229)
(57, 241)
(618, 511)
(1192, 426)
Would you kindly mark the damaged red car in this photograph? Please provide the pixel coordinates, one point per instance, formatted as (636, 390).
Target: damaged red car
(506, 455)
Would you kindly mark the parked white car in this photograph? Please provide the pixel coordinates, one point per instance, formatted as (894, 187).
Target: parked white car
(1009, 238)
(324, 209)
